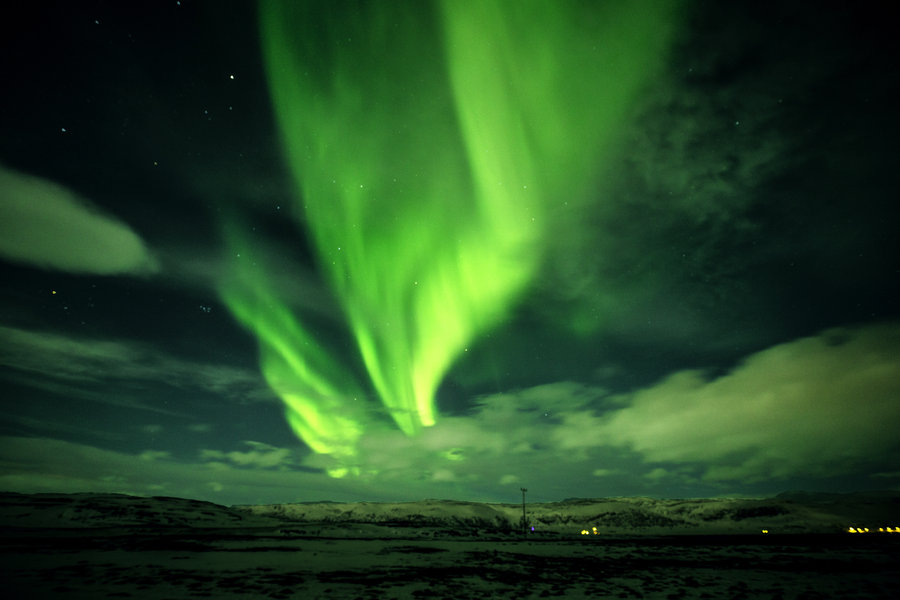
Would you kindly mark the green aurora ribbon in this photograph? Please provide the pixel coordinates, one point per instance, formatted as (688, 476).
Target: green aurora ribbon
(431, 144)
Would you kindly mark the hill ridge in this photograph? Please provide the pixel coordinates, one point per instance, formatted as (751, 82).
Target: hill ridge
(792, 512)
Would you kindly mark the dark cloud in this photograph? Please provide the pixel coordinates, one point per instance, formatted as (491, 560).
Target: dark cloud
(57, 358)
(747, 202)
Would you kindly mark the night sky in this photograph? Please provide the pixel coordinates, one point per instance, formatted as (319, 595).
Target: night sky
(403, 250)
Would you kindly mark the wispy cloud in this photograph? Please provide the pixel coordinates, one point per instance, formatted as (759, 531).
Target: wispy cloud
(51, 357)
(47, 225)
(112, 395)
(260, 455)
(33, 465)
(200, 427)
(48, 427)
(153, 455)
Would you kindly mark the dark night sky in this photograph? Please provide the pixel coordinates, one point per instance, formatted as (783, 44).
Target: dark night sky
(700, 299)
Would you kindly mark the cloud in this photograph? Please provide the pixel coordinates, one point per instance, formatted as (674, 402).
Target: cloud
(718, 182)
(47, 225)
(31, 465)
(66, 427)
(603, 472)
(262, 456)
(118, 394)
(813, 408)
(656, 474)
(817, 406)
(153, 455)
(50, 357)
(674, 206)
(507, 439)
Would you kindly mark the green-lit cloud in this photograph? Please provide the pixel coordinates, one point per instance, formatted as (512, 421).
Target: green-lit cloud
(819, 406)
(262, 475)
(432, 145)
(260, 455)
(47, 225)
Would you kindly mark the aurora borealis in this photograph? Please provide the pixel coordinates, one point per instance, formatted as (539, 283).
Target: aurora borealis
(429, 208)
(365, 250)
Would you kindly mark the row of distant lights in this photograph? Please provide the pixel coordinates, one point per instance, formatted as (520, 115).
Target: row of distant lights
(593, 530)
(880, 530)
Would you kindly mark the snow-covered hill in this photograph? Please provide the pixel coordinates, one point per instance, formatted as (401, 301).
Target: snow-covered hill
(116, 510)
(787, 513)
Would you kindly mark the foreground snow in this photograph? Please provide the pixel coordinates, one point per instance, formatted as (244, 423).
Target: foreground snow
(108, 546)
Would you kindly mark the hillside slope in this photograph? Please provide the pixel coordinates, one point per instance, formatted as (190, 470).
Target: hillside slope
(116, 510)
(787, 513)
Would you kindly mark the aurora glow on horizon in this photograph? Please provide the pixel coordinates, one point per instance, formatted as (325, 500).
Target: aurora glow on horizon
(428, 151)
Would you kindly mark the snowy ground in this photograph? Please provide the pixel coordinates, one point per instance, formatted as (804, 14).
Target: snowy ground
(280, 563)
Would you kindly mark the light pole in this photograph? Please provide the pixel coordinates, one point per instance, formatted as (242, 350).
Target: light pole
(524, 522)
